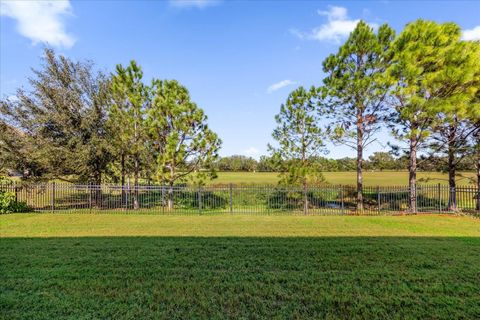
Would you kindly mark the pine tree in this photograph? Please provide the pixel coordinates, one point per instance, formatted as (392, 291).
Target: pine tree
(182, 142)
(356, 94)
(454, 86)
(299, 138)
(130, 99)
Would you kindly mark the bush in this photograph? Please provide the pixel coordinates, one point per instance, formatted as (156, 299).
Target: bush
(291, 200)
(9, 205)
(190, 200)
(285, 200)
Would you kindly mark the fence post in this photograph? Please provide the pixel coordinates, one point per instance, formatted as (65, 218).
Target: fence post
(53, 196)
(162, 202)
(199, 199)
(342, 196)
(378, 198)
(476, 191)
(305, 200)
(439, 192)
(15, 190)
(127, 194)
(416, 197)
(231, 198)
(90, 196)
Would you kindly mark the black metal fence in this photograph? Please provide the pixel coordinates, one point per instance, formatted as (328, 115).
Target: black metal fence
(327, 199)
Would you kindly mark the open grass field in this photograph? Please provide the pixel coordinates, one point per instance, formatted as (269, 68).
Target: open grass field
(132, 266)
(385, 178)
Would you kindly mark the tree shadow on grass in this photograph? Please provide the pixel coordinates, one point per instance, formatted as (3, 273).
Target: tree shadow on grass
(216, 277)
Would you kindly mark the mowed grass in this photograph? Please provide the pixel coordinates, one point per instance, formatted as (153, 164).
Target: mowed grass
(35, 225)
(132, 266)
(377, 178)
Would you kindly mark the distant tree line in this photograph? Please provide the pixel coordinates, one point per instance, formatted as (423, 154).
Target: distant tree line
(378, 161)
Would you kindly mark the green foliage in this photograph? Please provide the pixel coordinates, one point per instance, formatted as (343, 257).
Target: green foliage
(130, 100)
(76, 124)
(193, 200)
(353, 92)
(266, 164)
(378, 161)
(294, 200)
(8, 204)
(178, 130)
(285, 200)
(16, 151)
(236, 163)
(435, 78)
(299, 138)
(432, 73)
(58, 128)
(383, 161)
(459, 116)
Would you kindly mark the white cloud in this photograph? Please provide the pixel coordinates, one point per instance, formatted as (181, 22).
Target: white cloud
(334, 13)
(471, 34)
(338, 26)
(40, 21)
(251, 152)
(279, 85)
(193, 3)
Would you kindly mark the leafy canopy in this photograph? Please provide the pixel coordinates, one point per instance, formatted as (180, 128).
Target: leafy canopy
(178, 129)
(352, 87)
(59, 125)
(431, 72)
(299, 137)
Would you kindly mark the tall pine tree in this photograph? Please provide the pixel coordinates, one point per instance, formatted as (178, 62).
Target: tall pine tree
(354, 90)
(130, 99)
(183, 144)
(300, 139)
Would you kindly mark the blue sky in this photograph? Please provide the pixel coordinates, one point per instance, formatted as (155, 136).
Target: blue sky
(239, 59)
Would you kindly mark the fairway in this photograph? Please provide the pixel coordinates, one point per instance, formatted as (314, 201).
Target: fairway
(127, 266)
(378, 178)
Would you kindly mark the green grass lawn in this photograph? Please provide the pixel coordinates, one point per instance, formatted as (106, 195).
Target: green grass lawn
(132, 266)
(385, 178)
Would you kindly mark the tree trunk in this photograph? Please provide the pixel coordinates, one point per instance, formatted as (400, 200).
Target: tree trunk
(170, 197)
(412, 175)
(359, 161)
(452, 199)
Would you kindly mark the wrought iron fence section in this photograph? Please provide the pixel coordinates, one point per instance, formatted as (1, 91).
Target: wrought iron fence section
(255, 199)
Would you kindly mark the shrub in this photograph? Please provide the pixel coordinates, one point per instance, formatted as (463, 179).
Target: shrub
(290, 200)
(285, 200)
(9, 205)
(190, 200)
